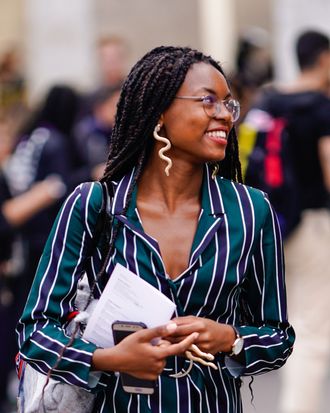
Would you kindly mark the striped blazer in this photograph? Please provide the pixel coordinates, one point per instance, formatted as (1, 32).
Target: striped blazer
(235, 275)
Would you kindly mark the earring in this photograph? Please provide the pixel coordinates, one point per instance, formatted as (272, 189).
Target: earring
(215, 170)
(199, 356)
(164, 149)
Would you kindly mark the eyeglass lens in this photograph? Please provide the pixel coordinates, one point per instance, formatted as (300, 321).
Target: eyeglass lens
(213, 107)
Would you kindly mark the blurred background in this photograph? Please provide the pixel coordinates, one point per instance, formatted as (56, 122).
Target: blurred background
(74, 54)
(57, 41)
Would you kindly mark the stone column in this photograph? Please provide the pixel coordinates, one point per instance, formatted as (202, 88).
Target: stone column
(218, 30)
(59, 44)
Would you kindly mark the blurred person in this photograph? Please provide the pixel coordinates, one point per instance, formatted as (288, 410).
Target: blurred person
(307, 249)
(10, 67)
(14, 213)
(12, 87)
(185, 224)
(305, 107)
(7, 312)
(45, 148)
(12, 83)
(42, 155)
(254, 66)
(92, 134)
(6, 138)
(113, 54)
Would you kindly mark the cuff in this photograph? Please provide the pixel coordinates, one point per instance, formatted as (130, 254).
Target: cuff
(94, 378)
(234, 365)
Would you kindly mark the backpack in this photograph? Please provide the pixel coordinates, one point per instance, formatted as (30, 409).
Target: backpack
(267, 163)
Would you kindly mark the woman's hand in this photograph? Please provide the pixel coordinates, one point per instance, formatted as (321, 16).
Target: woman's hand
(213, 336)
(137, 356)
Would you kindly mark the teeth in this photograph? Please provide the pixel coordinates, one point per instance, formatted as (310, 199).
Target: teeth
(217, 134)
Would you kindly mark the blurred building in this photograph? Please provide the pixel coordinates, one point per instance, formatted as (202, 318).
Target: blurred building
(58, 38)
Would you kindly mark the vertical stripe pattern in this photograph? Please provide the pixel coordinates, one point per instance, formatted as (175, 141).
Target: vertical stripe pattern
(236, 264)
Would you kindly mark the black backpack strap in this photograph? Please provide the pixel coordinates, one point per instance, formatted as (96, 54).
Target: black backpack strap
(85, 190)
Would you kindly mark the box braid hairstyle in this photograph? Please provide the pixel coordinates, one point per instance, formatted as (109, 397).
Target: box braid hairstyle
(148, 91)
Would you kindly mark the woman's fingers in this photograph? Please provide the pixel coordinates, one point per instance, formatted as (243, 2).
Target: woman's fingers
(187, 325)
(160, 336)
(181, 347)
(188, 319)
(163, 343)
(150, 334)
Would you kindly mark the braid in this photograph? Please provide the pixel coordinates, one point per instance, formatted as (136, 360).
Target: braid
(112, 229)
(230, 166)
(236, 161)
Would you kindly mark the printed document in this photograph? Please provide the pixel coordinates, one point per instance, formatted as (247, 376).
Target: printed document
(126, 297)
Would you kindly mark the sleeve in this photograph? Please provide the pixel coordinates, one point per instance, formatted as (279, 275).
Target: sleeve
(40, 330)
(7, 232)
(268, 336)
(56, 148)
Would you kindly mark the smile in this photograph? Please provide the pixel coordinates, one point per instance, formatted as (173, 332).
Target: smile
(217, 134)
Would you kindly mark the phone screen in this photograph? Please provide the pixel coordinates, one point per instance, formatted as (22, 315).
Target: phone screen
(131, 384)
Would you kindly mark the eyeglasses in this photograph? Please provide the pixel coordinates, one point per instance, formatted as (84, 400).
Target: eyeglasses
(212, 106)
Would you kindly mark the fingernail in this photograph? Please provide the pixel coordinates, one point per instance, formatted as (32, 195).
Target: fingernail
(171, 327)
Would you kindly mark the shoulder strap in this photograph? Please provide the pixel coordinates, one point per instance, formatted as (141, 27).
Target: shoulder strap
(102, 228)
(104, 211)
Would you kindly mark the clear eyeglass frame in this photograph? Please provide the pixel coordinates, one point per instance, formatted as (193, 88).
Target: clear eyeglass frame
(213, 106)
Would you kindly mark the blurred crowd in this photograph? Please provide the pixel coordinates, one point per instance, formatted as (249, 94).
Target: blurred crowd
(47, 150)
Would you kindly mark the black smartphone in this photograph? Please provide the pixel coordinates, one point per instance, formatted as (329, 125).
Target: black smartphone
(131, 384)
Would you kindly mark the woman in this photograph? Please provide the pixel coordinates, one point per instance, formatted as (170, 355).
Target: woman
(207, 242)
(43, 151)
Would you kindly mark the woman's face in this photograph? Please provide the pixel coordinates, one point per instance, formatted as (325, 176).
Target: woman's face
(194, 135)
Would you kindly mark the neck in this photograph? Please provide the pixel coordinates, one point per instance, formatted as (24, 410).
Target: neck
(183, 183)
(312, 80)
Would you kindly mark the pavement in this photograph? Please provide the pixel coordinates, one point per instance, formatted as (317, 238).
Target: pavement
(266, 390)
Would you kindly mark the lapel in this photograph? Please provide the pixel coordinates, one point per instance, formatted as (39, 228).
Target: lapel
(210, 219)
(130, 218)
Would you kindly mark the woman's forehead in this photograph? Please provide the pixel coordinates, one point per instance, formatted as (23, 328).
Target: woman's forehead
(203, 76)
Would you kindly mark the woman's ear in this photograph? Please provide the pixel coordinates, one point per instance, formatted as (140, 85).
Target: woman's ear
(161, 120)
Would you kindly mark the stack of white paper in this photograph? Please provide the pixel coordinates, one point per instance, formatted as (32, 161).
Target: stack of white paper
(126, 297)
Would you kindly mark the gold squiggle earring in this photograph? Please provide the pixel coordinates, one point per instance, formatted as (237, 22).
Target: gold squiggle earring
(164, 149)
(199, 356)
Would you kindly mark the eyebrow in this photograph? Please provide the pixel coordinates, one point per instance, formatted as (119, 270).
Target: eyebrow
(212, 92)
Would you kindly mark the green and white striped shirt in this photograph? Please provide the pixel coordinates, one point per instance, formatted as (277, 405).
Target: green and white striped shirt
(235, 275)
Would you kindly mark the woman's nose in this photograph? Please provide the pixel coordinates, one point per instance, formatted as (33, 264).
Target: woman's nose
(222, 112)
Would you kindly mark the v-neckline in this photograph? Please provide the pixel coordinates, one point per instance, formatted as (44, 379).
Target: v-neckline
(139, 219)
(208, 223)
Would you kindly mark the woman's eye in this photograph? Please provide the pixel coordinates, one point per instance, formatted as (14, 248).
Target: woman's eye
(209, 100)
(230, 103)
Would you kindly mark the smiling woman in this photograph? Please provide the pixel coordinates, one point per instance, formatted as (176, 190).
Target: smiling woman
(203, 111)
(182, 220)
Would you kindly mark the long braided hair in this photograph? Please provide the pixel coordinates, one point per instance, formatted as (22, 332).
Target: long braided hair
(148, 91)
